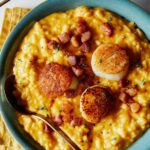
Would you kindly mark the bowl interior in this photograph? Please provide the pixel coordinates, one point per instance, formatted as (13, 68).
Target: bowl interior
(12, 43)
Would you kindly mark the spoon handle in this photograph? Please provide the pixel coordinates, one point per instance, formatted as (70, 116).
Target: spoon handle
(3, 2)
(58, 130)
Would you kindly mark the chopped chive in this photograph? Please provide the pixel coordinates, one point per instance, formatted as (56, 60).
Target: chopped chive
(42, 108)
(19, 60)
(109, 19)
(21, 84)
(100, 61)
(58, 47)
(143, 82)
(114, 139)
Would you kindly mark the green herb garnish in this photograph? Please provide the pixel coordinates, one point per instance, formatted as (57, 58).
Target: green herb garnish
(42, 108)
(58, 47)
(114, 139)
(109, 19)
(143, 82)
(21, 84)
(100, 61)
(19, 59)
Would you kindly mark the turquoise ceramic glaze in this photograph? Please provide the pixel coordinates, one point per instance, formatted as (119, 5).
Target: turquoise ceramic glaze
(122, 7)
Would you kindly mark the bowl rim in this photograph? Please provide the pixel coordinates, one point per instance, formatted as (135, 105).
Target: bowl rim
(124, 5)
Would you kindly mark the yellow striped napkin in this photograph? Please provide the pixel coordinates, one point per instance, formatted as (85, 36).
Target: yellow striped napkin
(11, 18)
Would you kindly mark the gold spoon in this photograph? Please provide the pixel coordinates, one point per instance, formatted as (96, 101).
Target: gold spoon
(9, 87)
(3, 2)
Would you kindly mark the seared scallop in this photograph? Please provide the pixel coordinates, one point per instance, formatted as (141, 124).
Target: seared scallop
(55, 79)
(110, 61)
(95, 103)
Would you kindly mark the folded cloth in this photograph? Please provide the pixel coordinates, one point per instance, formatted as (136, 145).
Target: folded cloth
(11, 18)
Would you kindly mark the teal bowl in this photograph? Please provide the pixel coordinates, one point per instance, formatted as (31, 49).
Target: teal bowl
(124, 8)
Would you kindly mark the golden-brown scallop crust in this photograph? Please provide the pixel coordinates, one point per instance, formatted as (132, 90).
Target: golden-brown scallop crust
(55, 79)
(95, 103)
(110, 58)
